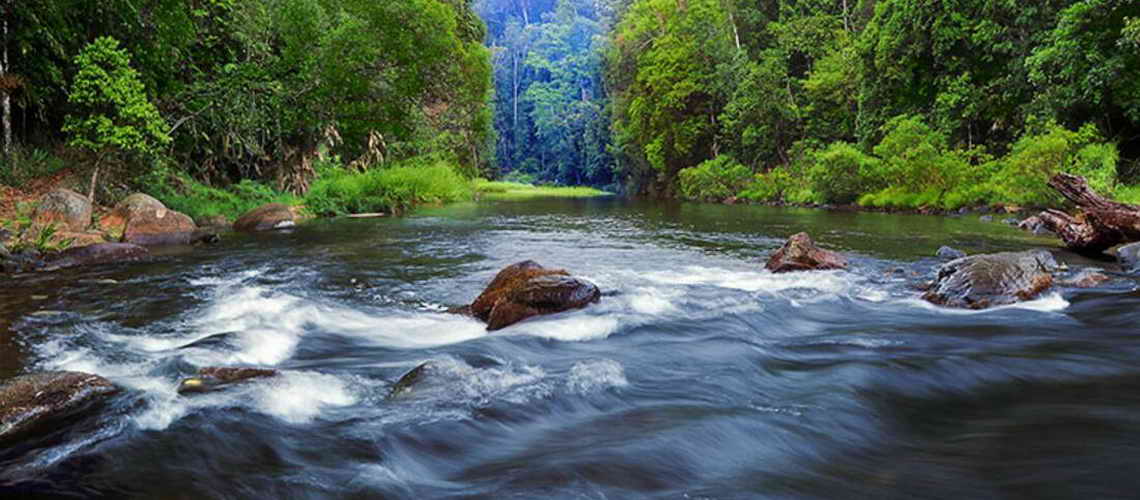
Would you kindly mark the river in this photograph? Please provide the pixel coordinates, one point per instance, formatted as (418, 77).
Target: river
(698, 375)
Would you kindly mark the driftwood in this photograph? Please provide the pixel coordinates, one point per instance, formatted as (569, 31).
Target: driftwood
(1101, 224)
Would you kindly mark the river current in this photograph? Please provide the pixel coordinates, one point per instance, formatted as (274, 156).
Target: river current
(698, 375)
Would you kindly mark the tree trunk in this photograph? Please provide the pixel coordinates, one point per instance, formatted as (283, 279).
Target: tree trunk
(94, 179)
(5, 99)
(1102, 223)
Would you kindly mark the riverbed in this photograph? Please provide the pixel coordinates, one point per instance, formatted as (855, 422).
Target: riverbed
(698, 375)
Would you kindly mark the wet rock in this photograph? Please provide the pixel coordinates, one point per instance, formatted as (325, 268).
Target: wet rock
(1010, 221)
(409, 379)
(213, 378)
(947, 253)
(982, 281)
(267, 218)
(65, 208)
(1129, 257)
(159, 226)
(103, 253)
(526, 289)
(986, 218)
(801, 254)
(38, 402)
(1085, 279)
(1033, 225)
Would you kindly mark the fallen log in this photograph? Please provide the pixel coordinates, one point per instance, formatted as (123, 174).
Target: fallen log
(1101, 224)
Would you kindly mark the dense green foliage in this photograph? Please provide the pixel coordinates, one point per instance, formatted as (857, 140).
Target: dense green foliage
(393, 189)
(888, 102)
(550, 103)
(184, 194)
(258, 90)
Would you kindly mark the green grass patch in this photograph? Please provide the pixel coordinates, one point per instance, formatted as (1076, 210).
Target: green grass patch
(181, 193)
(517, 191)
(395, 189)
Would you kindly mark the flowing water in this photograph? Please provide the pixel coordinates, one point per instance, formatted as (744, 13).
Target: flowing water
(698, 375)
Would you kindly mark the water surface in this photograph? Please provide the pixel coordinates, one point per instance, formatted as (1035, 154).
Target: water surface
(699, 375)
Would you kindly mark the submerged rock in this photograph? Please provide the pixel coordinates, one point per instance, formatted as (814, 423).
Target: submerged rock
(982, 281)
(212, 378)
(1085, 279)
(526, 289)
(103, 253)
(65, 208)
(947, 253)
(37, 402)
(801, 254)
(1033, 225)
(267, 218)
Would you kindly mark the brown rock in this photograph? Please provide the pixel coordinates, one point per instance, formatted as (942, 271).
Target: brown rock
(1085, 279)
(983, 281)
(102, 253)
(65, 208)
(216, 377)
(801, 254)
(116, 221)
(527, 289)
(36, 402)
(267, 218)
(159, 226)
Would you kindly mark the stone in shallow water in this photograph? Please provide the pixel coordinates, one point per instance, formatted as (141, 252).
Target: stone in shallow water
(983, 281)
(35, 403)
(801, 254)
(213, 378)
(948, 253)
(526, 289)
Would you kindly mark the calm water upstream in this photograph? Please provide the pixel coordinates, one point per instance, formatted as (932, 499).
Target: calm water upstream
(699, 375)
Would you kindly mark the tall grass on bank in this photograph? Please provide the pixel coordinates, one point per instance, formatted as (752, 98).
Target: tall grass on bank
(181, 193)
(517, 191)
(394, 189)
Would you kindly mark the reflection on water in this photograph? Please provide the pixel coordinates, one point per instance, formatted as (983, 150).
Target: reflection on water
(699, 375)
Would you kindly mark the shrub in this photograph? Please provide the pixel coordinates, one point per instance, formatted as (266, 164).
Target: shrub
(841, 172)
(714, 180)
(1051, 148)
(395, 189)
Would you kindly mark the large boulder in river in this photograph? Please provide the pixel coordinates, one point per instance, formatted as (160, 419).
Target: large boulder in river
(801, 254)
(159, 226)
(527, 289)
(103, 253)
(982, 281)
(38, 402)
(116, 221)
(267, 218)
(212, 378)
(65, 208)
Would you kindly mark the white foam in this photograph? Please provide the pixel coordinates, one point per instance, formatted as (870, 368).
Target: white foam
(294, 397)
(755, 281)
(1048, 303)
(593, 375)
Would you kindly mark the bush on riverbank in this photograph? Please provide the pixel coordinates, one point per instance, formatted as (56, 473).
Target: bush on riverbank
(913, 167)
(396, 189)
